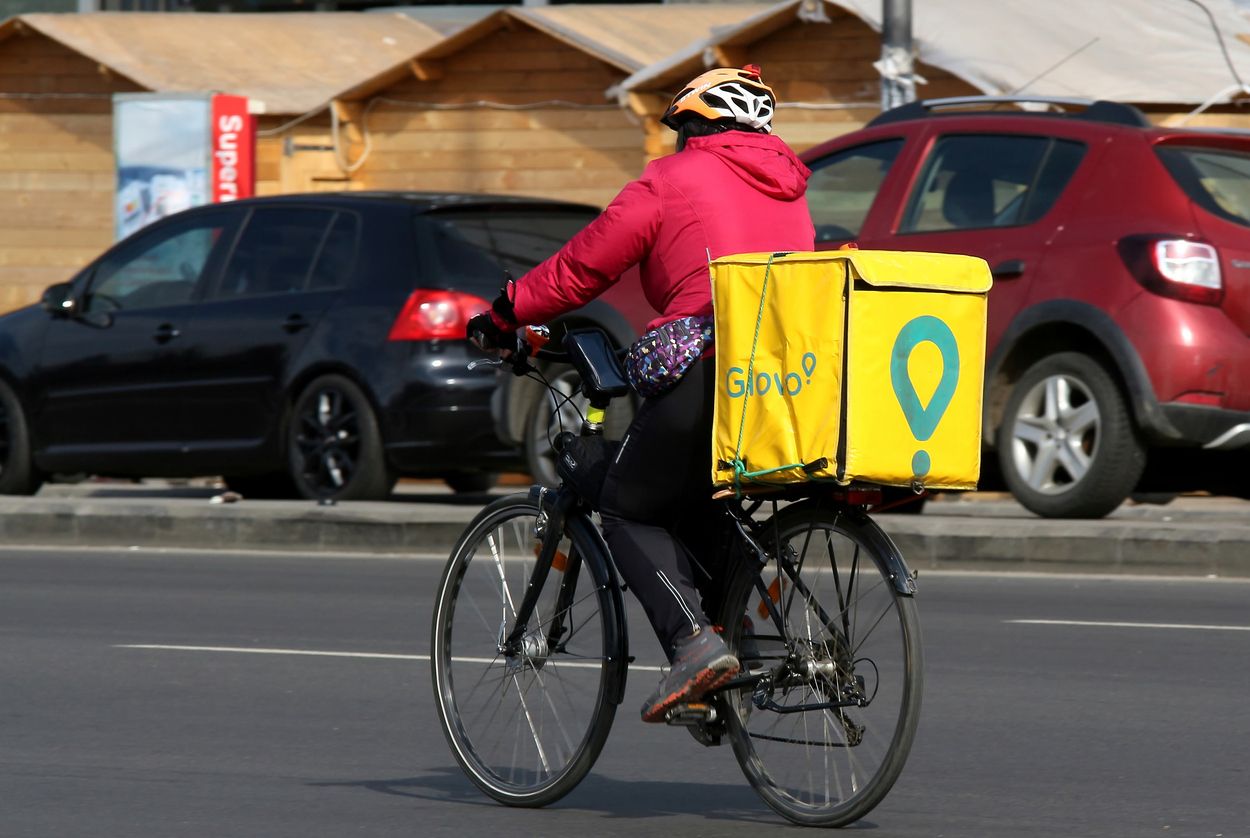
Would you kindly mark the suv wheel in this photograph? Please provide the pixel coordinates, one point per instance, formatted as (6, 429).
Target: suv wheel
(334, 445)
(17, 473)
(1067, 446)
(547, 418)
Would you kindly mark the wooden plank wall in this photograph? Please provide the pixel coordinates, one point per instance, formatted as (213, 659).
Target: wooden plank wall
(585, 151)
(832, 63)
(1221, 116)
(56, 164)
(298, 159)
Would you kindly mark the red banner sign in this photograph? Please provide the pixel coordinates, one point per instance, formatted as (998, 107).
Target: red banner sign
(233, 164)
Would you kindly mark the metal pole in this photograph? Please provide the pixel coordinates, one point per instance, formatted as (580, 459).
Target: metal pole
(898, 82)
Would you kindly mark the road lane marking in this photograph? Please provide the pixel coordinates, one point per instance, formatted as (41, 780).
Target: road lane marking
(247, 650)
(1110, 624)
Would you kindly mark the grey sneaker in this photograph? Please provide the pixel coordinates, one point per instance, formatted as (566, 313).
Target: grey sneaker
(701, 663)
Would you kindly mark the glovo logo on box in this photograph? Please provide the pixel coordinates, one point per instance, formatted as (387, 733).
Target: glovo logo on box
(923, 419)
(779, 340)
(914, 388)
(740, 383)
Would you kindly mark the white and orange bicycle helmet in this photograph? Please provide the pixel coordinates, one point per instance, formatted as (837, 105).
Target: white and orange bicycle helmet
(725, 94)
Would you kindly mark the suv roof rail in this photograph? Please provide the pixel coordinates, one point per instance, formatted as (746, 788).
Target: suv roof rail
(1095, 110)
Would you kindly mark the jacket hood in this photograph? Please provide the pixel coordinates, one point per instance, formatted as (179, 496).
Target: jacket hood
(762, 160)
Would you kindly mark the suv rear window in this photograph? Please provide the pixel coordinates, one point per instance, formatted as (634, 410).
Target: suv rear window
(1217, 179)
(990, 180)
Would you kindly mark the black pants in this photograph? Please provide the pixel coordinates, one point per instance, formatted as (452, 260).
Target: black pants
(657, 500)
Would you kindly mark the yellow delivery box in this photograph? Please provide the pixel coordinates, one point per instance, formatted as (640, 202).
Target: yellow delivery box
(847, 366)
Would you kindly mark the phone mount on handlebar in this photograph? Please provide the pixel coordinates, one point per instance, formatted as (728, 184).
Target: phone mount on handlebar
(591, 353)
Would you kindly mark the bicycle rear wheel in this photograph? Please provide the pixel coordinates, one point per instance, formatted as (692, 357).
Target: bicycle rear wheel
(526, 727)
(825, 734)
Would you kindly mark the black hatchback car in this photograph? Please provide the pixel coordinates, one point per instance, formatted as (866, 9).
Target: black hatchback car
(307, 345)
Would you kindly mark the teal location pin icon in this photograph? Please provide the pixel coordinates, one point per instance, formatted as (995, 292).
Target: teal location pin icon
(809, 365)
(923, 419)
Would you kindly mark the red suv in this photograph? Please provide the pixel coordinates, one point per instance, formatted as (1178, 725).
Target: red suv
(1118, 347)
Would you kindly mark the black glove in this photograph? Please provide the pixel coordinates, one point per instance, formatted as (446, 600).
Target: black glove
(488, 336)
(495, 330)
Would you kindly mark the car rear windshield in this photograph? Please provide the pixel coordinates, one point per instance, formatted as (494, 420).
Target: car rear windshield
(469, 247)
(1217, 179)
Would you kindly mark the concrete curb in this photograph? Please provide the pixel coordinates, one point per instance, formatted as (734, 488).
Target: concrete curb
(1190, 537)
(1118, 547)
(252, 525)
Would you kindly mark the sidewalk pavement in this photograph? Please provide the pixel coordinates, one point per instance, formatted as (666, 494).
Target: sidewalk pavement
(1191, 536)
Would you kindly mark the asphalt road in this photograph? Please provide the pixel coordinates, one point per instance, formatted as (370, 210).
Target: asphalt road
(1028, 729)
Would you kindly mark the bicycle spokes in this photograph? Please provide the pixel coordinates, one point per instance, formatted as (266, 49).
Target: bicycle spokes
(824, 713)
(521, 671)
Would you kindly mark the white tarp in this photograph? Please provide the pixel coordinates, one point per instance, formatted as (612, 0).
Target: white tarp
(1128, 50)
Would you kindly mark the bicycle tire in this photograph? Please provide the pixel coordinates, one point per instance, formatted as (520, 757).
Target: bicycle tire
(562, 698)
(853, 759)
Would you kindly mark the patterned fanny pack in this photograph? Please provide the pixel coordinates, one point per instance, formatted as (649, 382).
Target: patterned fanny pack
(658, 359)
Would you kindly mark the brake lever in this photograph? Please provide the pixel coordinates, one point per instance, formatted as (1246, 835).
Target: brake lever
(518, 363)
(536, 337)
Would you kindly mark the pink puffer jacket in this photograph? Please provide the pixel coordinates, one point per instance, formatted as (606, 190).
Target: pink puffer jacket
(730, 193)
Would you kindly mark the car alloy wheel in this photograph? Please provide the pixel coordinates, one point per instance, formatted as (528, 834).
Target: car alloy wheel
(17, 473)
(335, 445)
(1067, 445)
(1055, 434)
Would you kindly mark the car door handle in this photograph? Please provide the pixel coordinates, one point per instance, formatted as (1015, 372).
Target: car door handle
(294, 323)
(165, 333)
(1010, 269)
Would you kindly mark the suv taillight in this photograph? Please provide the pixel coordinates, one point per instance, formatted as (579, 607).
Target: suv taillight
(432, 314)
(1180, 268)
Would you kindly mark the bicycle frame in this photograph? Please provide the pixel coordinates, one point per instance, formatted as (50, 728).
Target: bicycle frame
(559, 507)
(752, 533)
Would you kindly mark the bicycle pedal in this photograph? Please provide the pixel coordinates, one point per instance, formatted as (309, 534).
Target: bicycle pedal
(693, 713)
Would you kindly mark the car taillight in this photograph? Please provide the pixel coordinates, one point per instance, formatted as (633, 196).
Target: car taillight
(432, 314)
(1180, 268)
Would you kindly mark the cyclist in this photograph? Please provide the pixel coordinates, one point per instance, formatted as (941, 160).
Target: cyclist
(732, 187)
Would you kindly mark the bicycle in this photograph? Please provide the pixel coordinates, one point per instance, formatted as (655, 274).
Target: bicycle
(529, 652)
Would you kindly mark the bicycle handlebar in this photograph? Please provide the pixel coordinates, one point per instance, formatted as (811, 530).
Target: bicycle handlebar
(532, 346)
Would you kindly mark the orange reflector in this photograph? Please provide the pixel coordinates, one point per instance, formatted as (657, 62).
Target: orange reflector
(774, 593)
(558, 562)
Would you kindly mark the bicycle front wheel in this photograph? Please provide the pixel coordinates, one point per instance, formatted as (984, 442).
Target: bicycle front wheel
(526, 727)
(824, 733)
